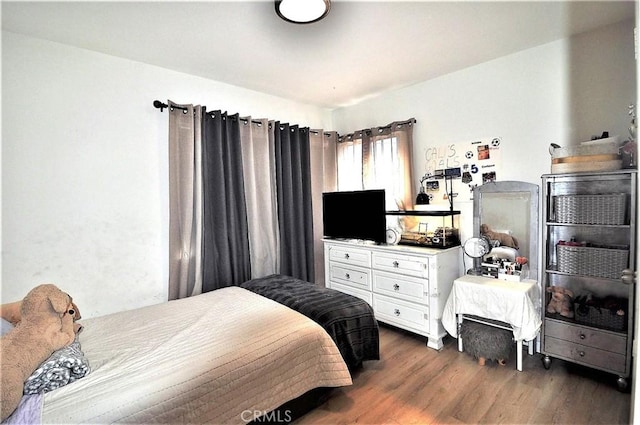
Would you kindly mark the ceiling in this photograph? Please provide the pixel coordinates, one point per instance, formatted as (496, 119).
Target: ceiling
(362, 48)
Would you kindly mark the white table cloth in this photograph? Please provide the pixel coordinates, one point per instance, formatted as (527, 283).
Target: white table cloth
(515, 303)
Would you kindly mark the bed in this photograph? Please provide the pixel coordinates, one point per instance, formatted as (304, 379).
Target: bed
(349, 320)
(226, 356)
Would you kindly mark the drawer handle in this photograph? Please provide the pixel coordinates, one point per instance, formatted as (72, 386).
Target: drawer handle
(347, 276)
(396, 287)
(582, 336)
(581, 353)
(346, 256)
(396, 264)
(396, 312)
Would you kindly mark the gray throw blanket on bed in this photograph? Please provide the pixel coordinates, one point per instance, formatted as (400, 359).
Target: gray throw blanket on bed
(61, 368)
(349, 320)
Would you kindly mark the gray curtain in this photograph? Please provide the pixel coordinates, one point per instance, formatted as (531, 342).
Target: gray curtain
(324, 178)
(295, 213)
(226, 259)
(242, 198)
(185, 211)
(260, 195)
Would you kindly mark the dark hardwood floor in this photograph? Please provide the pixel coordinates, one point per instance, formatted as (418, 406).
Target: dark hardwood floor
(413, 384)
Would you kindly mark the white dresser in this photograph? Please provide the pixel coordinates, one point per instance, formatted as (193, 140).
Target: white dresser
(406, 286)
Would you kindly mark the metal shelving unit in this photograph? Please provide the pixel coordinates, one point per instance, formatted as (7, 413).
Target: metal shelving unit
(598, 208)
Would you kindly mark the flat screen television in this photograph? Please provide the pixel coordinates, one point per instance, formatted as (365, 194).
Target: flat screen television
(357, 214)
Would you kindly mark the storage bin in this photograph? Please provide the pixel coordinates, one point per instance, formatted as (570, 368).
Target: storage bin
(600, 316)
(591, 261)
(590, 209)
(593, 155)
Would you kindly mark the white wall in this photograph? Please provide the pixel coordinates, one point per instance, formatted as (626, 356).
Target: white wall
(84, 192)
(561, 92)
(84, 169)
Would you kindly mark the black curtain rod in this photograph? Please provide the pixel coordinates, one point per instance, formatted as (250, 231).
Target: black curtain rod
(162, 106)
(349, 136)
(159, 105)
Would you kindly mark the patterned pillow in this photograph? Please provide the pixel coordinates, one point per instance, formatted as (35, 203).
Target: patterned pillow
(63, 367)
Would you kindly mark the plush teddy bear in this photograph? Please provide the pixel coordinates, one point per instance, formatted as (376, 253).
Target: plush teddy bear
(46, 324)
(11, 313)
(561, 301)
(504, 238)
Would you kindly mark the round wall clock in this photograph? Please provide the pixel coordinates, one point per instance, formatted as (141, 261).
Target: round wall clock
(393, 236)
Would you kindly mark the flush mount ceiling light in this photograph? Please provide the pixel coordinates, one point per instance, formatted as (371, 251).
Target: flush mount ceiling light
(302, 11)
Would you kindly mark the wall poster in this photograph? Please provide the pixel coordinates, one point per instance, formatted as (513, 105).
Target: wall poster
(469, 164)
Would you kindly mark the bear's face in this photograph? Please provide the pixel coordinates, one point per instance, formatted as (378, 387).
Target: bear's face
(559, 293)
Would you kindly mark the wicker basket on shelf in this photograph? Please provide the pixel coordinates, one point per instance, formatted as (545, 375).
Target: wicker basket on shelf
(592, 261)
(591, 209)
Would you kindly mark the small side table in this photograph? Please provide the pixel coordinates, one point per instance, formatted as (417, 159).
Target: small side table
(514, 306)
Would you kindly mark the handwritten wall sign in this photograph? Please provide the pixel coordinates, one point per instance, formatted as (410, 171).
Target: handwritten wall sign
(470, 163)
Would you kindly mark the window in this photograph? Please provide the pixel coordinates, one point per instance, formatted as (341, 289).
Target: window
(379, 158)
(386, 170)
(350, 164)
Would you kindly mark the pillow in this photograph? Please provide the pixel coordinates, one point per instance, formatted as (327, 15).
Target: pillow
(5, 326)
(504, 252)
(61, 368)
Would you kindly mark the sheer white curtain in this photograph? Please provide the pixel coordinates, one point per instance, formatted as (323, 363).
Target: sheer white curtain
(185, 200)
(379, 158)
(349, 159)
(258, 162)
(323, 179)
(386, 162)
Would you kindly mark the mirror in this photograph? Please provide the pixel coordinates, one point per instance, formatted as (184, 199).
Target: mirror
(510, 206)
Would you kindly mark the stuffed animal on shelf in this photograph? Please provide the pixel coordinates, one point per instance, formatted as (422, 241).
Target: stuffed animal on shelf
(46, 324)
(503, 238)
(561, 301)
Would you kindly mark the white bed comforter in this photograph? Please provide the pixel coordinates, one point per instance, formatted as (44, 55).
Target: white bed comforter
(210, 358)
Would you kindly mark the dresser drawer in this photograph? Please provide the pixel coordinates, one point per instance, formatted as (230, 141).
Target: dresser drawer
(350, 276)
(584, 354)
(586, 336)
(348, 255)
(399, 263)
(363, 295)
(401, 313)
(400, 286)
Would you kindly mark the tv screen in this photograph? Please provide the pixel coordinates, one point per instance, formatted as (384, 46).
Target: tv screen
(355, 215)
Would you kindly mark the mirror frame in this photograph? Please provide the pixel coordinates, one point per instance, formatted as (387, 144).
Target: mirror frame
(510, 187)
